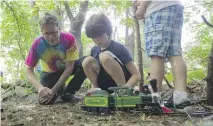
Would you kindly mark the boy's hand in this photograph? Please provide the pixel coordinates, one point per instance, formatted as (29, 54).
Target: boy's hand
(140, 12)
(127, 85)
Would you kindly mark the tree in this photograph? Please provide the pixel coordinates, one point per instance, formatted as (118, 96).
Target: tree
(209, 77)
(77, 22)
(17, 33)
(138, 41)
(199, 55)
(129, 39)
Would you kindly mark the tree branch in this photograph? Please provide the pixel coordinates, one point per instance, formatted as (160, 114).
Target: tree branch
(204, 19)
(141, 49)
(68, 10)
(82, 11)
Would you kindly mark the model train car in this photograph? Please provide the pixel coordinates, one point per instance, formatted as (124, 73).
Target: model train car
(123, 98)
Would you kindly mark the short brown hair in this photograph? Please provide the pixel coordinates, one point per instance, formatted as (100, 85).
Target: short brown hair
(97, 25)
(48, 18)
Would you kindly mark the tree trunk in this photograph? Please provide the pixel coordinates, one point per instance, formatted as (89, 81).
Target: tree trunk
(130, 44)
(209, 79)
(77, 22)
(139, 51)
(129, 39)
(114, 34)
(127, 28)
(58, 11)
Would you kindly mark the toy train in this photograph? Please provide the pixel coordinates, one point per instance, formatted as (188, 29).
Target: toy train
(123, 98)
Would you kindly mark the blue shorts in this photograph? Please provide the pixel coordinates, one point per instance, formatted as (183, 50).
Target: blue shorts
(163, 31)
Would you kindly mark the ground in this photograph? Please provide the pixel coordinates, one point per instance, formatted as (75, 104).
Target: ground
(25, 111)
(29, 114)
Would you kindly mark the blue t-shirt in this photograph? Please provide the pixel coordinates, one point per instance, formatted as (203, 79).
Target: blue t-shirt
(116, 48)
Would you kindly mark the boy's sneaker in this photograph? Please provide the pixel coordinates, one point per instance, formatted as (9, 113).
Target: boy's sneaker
(67, 97)
(184, 103)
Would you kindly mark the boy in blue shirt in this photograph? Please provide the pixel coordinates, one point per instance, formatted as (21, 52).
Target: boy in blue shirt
(109, 64)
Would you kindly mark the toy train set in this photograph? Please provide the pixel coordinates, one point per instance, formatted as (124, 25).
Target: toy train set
(125, 99)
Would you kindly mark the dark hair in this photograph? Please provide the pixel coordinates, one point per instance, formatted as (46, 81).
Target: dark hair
(97, 25)
(48, 18)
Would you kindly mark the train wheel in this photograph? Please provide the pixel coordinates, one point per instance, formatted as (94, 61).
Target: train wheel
(95, 110)
(106, 111)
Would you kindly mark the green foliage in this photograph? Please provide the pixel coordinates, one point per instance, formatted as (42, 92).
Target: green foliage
(106, 5)
(169, 77)
(145, 74)
(197, 74)
(129, 22)
(87, 43)
(198, 55)
(18, 32)
(46, 5)
(19, 26)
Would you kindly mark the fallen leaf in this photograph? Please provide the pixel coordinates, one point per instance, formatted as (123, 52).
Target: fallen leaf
(29, 118)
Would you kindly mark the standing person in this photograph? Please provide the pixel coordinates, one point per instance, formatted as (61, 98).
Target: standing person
(163, 31)
(109, 64)
(58, 54)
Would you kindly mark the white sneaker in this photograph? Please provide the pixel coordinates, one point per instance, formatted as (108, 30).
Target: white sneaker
(180, 97)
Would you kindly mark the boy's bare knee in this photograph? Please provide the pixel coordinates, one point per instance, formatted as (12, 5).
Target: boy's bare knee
(88, 61)
(105, 58)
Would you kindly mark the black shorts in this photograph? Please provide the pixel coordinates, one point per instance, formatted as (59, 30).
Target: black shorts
(105, 80)
(50, 79)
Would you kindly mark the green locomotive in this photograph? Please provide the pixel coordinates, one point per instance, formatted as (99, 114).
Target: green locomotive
(123, 98)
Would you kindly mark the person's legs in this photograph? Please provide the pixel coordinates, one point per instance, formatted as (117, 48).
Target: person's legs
(179, 71)
(157, 44)
(174, 55)
(105, 81)
(113, 68)
(75, 83)
(78, 78)
(91, 68)
(97, 74)
(163, 39)
(157, 70)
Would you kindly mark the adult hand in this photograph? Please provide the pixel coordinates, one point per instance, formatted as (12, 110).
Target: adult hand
(140, 12)
(51, 97)
(45, 92)
(46, 99)
(137, 3)
(42, 100)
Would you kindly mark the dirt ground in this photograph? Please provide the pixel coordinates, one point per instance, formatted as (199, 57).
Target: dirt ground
(26, 111)
(65, 114)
